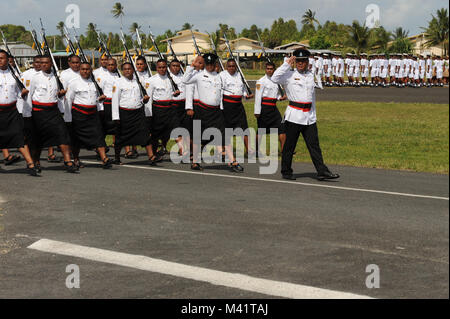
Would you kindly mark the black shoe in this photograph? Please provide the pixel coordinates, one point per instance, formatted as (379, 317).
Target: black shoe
(117, 161)
(11, 159)
(196, 167)
(327, 175)
(38, 167)
(235, 167)
(53, 159)
(152, 161)
(107, 164)
(71, 168)
(33, 171)
(289, 177)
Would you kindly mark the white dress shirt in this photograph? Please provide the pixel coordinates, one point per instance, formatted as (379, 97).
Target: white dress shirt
(127, 95)
(208, 85)
(160, 89)
(43, 89)
(9, 91)
(82, 92)
(300, 88)
(265, 87)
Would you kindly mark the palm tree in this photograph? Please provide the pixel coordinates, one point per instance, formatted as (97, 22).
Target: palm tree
(117, 11)
(399, 33)
(381, 38)
(60, 28)
(186, 26)
(91, 27)
(358, 36)
(133, 28)
(436, 33)
(309, 18)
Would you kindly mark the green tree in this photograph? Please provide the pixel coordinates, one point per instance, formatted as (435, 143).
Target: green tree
(118, 11)
(186, 26)
(401, 45)
(400, 33)
(309, 18)
(60, 28)
(436, 33)
(133, 28)
(380, 38)
(358, 37)
(251, 33)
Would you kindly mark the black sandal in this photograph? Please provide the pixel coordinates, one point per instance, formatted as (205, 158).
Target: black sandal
(33, 171)
(53, 159)
(11, 159)
(196, 167)
(70, 168)
(38, 167)
(79, 164)
(129, 155)
(107, 163)
(235, 167)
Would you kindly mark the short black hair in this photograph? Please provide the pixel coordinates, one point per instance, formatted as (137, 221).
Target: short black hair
(6, 53)
(231, 60)
(82, 63)
(161, 60)
(175, 61)
(141, 58)
(270, 64)
(126, 63)
(73, 56)
(37, 57)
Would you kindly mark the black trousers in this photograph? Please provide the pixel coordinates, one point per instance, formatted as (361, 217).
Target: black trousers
(311, 137)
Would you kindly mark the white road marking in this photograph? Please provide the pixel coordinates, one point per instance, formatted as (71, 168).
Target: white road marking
(214, 277)
(281, 181)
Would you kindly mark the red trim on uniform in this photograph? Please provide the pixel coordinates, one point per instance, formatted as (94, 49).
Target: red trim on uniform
(125, 109)
(302, 106)
(78, 106)
(44, 104)
(8, 107)
(232, 98)
(269, 101)
(207, 106)
(162, 103)
(107, 101)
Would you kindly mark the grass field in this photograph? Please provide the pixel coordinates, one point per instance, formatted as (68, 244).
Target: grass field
(379, 135)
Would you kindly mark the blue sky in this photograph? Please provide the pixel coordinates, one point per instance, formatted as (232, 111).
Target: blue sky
(207, 14)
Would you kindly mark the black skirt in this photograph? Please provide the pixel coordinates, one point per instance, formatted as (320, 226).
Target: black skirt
(270, 117)
(133, 128)
(109, 128)
(11, 127)
(86, 129)
(234, 113)
(49, 128)
(162, 120)
(179, 114)
(210, 117)
(28, 130)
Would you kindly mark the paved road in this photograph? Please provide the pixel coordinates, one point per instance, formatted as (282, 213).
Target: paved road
(300, 233)
(404, 95)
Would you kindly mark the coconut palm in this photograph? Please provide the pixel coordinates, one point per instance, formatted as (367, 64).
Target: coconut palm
(436, 34)
(358, 37)
(134, 26)
(60, 28)
(309, 18)
(399, 33)
(118, 11)
(381, 38)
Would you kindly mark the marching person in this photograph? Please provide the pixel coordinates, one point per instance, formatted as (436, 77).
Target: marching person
(82, 112)
(429, 70)
(106, 84)
(11, 123)
(209, 107)
(266, 112)
(129, 112)
(233, 109)
(356, 70)
(300, 116)
(49, 128)
(161, 95)
(364, 69)
(180, 118)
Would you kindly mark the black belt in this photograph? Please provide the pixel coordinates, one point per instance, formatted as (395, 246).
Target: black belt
(300, 105)
(8, 107)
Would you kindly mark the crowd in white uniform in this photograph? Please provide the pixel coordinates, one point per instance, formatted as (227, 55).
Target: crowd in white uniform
(400, 70)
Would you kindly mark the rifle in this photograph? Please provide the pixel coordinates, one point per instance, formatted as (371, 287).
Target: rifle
(84, 59)
(104, 48)
(195, 43)
(169, 43)
(141, 49)
(247, 87)
(35, 39)
(49, 53)
(213, 47)
(5, 43)
(261, 44)
(172, 82)
(141, 87)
